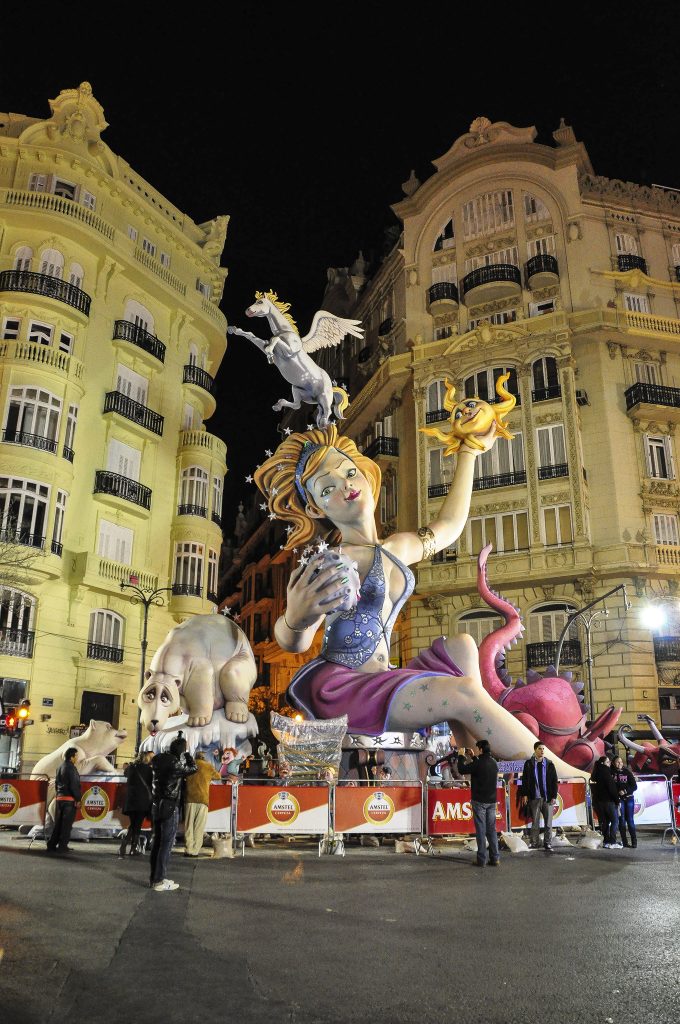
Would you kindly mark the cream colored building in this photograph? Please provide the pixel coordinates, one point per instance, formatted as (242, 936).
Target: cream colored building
(514, 256)
(110, 336)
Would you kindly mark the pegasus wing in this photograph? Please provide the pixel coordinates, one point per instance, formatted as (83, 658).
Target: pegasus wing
(328, 329)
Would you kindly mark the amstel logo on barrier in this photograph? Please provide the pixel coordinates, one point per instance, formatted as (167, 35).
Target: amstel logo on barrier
(283, 808)
(10, 801)
(378, 808)
(445, 810)
(558, 806)
(95, 804)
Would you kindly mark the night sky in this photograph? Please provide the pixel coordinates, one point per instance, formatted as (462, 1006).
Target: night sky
(303, 129)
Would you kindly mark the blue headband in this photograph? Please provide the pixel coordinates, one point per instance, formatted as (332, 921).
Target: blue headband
(308, 449)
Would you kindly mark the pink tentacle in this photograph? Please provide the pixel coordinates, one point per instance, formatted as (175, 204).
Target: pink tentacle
(496, 642)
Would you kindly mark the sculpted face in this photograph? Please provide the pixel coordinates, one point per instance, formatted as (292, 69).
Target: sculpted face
(158, 700)
(339, 489)
(471, 416)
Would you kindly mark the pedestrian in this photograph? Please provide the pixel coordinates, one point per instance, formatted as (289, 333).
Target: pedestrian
(483, 772)
(626, 783)
(196, 801)
(605, 800)
(137, 804)
(67, 786)
(170, 769)
(539, 791)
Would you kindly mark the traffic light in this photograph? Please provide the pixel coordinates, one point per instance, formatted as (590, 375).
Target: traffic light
(8, 724)
(23, 711)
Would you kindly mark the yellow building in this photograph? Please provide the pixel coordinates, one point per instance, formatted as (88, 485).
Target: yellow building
(110, 336)
(515, 257)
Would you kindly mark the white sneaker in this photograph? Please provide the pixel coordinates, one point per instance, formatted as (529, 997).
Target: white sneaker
(617, 846)
(606, 846)
(165, 886)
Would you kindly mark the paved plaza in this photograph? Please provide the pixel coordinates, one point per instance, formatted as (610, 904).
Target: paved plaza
(375, 936)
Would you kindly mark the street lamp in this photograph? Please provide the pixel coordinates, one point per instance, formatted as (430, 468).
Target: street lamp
(146, 597)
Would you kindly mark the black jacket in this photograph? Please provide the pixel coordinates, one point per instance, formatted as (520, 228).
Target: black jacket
(169, 772)
(529, 785)
(624, 779)
(67, 780)
(483, 772)
(138, 790)
(603, 788)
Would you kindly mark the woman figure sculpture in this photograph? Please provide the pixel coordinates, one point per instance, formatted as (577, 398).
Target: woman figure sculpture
(321, 484)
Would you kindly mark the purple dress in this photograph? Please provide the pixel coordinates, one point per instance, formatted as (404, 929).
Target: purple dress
(333, 684)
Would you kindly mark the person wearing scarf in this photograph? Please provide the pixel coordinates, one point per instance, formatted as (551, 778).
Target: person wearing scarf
(539, 790)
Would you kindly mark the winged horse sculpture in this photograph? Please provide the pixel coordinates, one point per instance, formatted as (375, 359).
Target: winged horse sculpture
(291, 354)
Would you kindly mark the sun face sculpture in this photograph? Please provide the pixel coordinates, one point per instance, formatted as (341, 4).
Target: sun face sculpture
(471, 417)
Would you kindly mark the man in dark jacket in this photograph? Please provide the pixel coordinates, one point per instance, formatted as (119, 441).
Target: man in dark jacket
(483, 772)
(137, 800)
(67, 783)
(539, 791)
(169, 772)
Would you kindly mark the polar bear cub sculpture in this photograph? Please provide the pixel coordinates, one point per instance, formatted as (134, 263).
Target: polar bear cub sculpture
(203, 664)
(98, 740)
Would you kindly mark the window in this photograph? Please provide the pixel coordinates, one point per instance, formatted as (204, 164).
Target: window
(488, 213)
(547, 622)
(436, 393)
(193, 355)
(59, 513)
(132, 384)
(504, 316)
(493, 259)
(659, 457)
(115, 542)
(71, 422)
(440, 469)
(440, 333)
(148, 247)
(626, 245)
(137, 314)
(88, 200)
(388, 499)
(212, 573)
(40, 334)
(23, 510)
(218, 486)
(446, 272)
(647, 373)
(507, 532)
(203, 288)
(188, 417)
(37, 183)
(189, 567)
(65, 342)
(479, 624)
(52, 263)
(446, 238)
(539, 308)
(32, 412)
(483, 383)
(666, 529)
(505, 458)
(534, 209)
(23, 258)
(545, 375)
(17, 611)
(10, 329)
(106, 628)
(557, 528)
(75, 275)
(551, 447)
(132, 232)
(541, 246)
(194, 487)
(165, 259)
(636, 303)
(124, 460)
(65, 189)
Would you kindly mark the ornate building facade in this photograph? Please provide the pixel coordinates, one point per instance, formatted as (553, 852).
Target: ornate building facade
(110, 336)
(515, 257)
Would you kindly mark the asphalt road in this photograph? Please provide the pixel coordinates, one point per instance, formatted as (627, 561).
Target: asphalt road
(283, 935)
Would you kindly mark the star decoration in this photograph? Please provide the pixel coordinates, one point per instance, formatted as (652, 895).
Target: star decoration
(272, 515)
(237, 617)
(378, 741)
(295, 551)
(355, 740)
(249, 479)
(280, 466)
(269, 453)
(226, 610)
(263, 506)
(303, 561)
(396, 741)
(287, 431)
(334, 383)
(321, 546)
(274, 490)
(310, 426)
(308, 550)
(289, 529)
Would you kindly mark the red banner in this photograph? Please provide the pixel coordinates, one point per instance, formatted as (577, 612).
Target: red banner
(449, 812)
(378, 809)
(22, 801)
(301, 810)
(675, 786)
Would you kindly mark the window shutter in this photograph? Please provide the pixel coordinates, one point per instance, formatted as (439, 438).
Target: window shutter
(559, 449)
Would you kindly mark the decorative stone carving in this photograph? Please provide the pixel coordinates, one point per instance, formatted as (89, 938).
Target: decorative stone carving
(613, 348)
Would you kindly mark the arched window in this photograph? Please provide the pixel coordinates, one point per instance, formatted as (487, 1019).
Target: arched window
(535, 209)
(546, 623)
(546, 379)
(479, 624)
(137, 314)
(17, 611)
(436, 393)
(76, 274)
(52, 263)
(188, 569)
(675, 255)
(626, 245)
(193, 492)
(23, 511)
(105, 637)
(23, 258)
(483, 383)
(193, 355)
(446, 238)
(32, 418)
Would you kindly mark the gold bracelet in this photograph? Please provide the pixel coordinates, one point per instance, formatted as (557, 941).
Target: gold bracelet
(429, 543)
(292, 628)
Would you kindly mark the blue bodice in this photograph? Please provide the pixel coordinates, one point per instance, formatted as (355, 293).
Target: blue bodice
(352, 637)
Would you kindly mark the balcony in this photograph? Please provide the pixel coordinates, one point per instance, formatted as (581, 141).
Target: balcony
(57, 548)
(383, 446)
(629, 261)
(545, 394)
(39, 441)
(207, 443)
(438, 490)
(488, 284)
(541, 655)
(668, 554)
(16, 642)
(483, 483)
(667, 648)
(442, 298)
(123, 487)
(195, 375)
(187, 590)
(104, 652)
(116, 401)
(49, 360)
(541, 271)
(677, 273)
(192, 510)
(124, 330)
(46, 285)
(67, 453)
(385, 327)
(217, 519)
(552, 472)
(435, 415)
(644, 400)
(22, 537)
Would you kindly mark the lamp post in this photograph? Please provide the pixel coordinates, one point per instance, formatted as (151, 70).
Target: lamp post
(146, 597)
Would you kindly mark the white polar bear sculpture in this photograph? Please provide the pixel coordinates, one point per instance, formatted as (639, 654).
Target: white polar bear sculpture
(218, 731)
(98, 740)
(202, 665)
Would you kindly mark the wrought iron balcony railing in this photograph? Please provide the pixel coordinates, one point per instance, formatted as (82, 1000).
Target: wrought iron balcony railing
(543, 263)
(57, 547)
(629, 261)
(551, 472)
(383, 446)
(540, 655)
(543, 394)
(45, 284)
(67, 453)
(192, 510)
(483, 483)
(487, 275)
(217, 519)
(212, 596)
(651, 394)
(124, 330)
(386, 326)
(116, 401)
(45, 444)
(441, 292)
(187, 590)
(195, 375)
(104, 652)
(667, 648)
(17, 642)
(23, 537)
(106, 482)
(438, 490)
(435, 415)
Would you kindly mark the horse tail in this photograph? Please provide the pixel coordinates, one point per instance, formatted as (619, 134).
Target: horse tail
(340, 402)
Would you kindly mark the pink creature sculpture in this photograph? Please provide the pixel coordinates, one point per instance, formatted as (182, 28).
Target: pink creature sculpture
(550, 705)
(663, 759)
